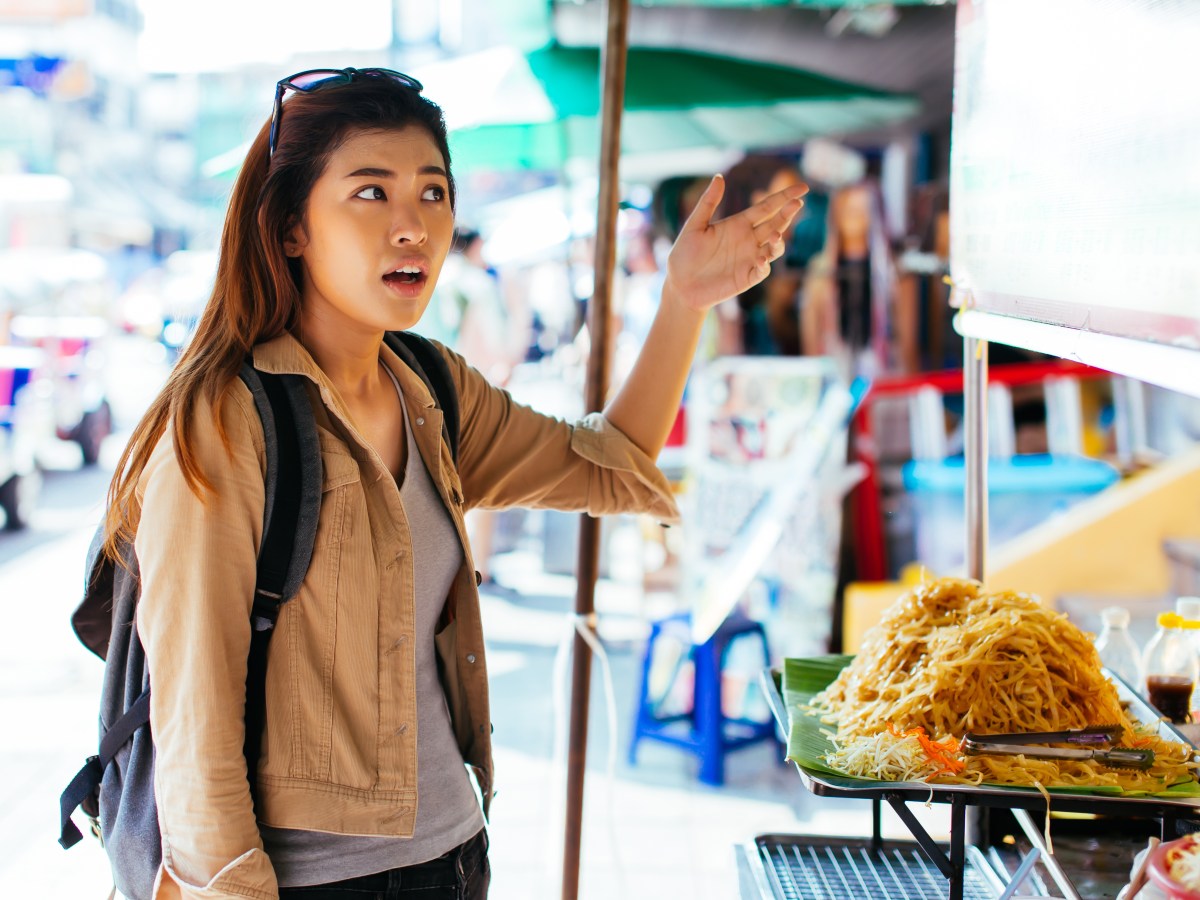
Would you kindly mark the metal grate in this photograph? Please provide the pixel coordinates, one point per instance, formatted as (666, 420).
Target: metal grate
(811, 868)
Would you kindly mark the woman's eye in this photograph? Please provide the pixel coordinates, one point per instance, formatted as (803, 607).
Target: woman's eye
(435, 192)
(372, 193)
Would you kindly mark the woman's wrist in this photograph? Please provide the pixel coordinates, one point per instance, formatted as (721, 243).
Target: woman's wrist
(674, 302)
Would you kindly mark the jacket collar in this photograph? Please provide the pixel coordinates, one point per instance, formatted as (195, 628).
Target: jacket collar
(285, 355)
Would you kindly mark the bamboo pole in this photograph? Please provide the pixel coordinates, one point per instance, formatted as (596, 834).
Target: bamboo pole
(613, 57)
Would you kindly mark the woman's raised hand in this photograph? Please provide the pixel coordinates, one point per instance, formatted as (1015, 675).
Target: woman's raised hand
(713, 261)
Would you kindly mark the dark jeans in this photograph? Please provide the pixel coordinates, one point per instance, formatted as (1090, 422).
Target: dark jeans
(462, 874)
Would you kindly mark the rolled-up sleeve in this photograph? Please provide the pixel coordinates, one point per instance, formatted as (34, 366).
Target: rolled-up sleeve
(511, 455)
(602, 444)
(198, 565)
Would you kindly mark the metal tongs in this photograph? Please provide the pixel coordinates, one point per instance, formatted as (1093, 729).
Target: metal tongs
(1019, 744)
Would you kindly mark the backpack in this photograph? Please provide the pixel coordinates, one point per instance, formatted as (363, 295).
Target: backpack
(115, 788)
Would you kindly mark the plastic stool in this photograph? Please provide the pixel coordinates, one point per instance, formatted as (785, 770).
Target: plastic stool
(709, 733)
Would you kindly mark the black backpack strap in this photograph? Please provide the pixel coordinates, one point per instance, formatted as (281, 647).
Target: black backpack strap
(292, 508)
(88, 779)
(420, 355)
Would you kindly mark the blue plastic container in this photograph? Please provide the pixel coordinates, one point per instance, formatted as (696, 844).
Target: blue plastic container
(1023, 491)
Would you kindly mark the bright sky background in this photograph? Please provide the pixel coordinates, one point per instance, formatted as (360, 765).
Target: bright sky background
(223, 34)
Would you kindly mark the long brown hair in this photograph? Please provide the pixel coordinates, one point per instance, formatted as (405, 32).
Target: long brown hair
(256, 294)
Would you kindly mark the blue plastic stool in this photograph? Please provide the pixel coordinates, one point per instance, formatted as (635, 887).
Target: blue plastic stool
(707, 732)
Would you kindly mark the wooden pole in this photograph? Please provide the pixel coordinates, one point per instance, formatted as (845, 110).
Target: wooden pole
(613, 57)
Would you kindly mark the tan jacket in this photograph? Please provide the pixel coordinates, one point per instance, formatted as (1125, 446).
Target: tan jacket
(339, 750)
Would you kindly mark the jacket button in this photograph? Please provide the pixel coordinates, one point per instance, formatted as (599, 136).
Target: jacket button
(471, 657)
(420, 421)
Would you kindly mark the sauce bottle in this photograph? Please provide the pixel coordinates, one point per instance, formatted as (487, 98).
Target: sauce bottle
(1172, 667)
(1189, 608)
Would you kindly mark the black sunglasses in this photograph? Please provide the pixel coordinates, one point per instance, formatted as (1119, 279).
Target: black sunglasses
(314, 79)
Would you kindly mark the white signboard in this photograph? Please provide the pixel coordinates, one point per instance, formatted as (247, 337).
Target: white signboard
(1075, 165)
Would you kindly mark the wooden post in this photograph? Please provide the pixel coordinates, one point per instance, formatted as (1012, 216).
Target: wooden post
(613, 57)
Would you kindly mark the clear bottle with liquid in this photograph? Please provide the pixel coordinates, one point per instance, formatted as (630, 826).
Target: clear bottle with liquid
(1118, 651)
(1189, 608)
(1171, 667)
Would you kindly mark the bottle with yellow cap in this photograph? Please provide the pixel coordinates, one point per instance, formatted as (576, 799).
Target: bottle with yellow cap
(1172, 666)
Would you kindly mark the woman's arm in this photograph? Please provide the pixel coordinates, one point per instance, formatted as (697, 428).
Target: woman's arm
(710, 262)
(198, 566)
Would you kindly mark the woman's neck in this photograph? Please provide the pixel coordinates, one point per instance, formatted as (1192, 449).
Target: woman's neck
(349, 358)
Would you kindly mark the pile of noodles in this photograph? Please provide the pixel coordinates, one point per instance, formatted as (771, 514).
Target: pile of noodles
(948, 659)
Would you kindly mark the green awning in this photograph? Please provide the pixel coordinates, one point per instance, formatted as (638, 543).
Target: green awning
(539, 109)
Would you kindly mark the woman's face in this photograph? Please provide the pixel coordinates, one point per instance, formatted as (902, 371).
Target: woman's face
(376, 229)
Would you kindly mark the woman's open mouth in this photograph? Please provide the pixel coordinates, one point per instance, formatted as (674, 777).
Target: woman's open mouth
(407, 280)
(406, 275)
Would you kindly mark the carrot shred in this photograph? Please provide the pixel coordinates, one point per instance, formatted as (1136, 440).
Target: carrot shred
(937, 752)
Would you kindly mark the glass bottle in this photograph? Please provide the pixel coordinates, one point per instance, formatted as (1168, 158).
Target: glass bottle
(1118, 651)
(1171, 667)
(1189, 608)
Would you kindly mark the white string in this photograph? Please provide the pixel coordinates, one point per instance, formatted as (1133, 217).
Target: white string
(584, 627)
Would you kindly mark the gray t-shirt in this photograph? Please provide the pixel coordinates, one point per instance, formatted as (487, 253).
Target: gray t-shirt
(448, 811)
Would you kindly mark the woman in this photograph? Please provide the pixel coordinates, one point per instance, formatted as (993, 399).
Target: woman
(376, 686)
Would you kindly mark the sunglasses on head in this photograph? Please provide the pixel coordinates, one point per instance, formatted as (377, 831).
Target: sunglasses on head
(315, 79)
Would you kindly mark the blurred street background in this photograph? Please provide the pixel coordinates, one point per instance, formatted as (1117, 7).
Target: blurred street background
(123, 124)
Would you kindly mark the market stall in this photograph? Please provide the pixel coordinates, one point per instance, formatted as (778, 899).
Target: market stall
(1075, 214)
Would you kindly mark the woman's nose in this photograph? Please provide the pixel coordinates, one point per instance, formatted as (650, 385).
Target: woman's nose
(408, 227)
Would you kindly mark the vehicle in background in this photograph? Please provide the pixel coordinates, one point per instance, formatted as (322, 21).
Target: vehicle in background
(66, 396)
(20, 477)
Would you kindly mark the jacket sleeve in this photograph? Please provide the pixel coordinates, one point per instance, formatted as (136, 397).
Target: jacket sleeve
(511, 455)
(198, 565)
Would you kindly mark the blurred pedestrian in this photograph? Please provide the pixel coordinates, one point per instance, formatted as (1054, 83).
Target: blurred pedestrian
(469, 299)
(469, 293)
(850, 294)
(377, 693)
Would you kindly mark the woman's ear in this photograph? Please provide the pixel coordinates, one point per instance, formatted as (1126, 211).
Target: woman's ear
(295, 242)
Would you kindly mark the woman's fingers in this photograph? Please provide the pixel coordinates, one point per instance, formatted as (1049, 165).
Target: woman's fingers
(768, 232)
(707, 205)
(778, 203)
(779, 222)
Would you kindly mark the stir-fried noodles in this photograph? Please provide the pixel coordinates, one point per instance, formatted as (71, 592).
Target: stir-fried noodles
(948, 659)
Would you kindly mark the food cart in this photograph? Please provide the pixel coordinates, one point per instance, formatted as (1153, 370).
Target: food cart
(1075, 214)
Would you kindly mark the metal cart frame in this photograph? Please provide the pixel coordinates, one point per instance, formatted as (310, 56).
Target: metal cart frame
(962, 798)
